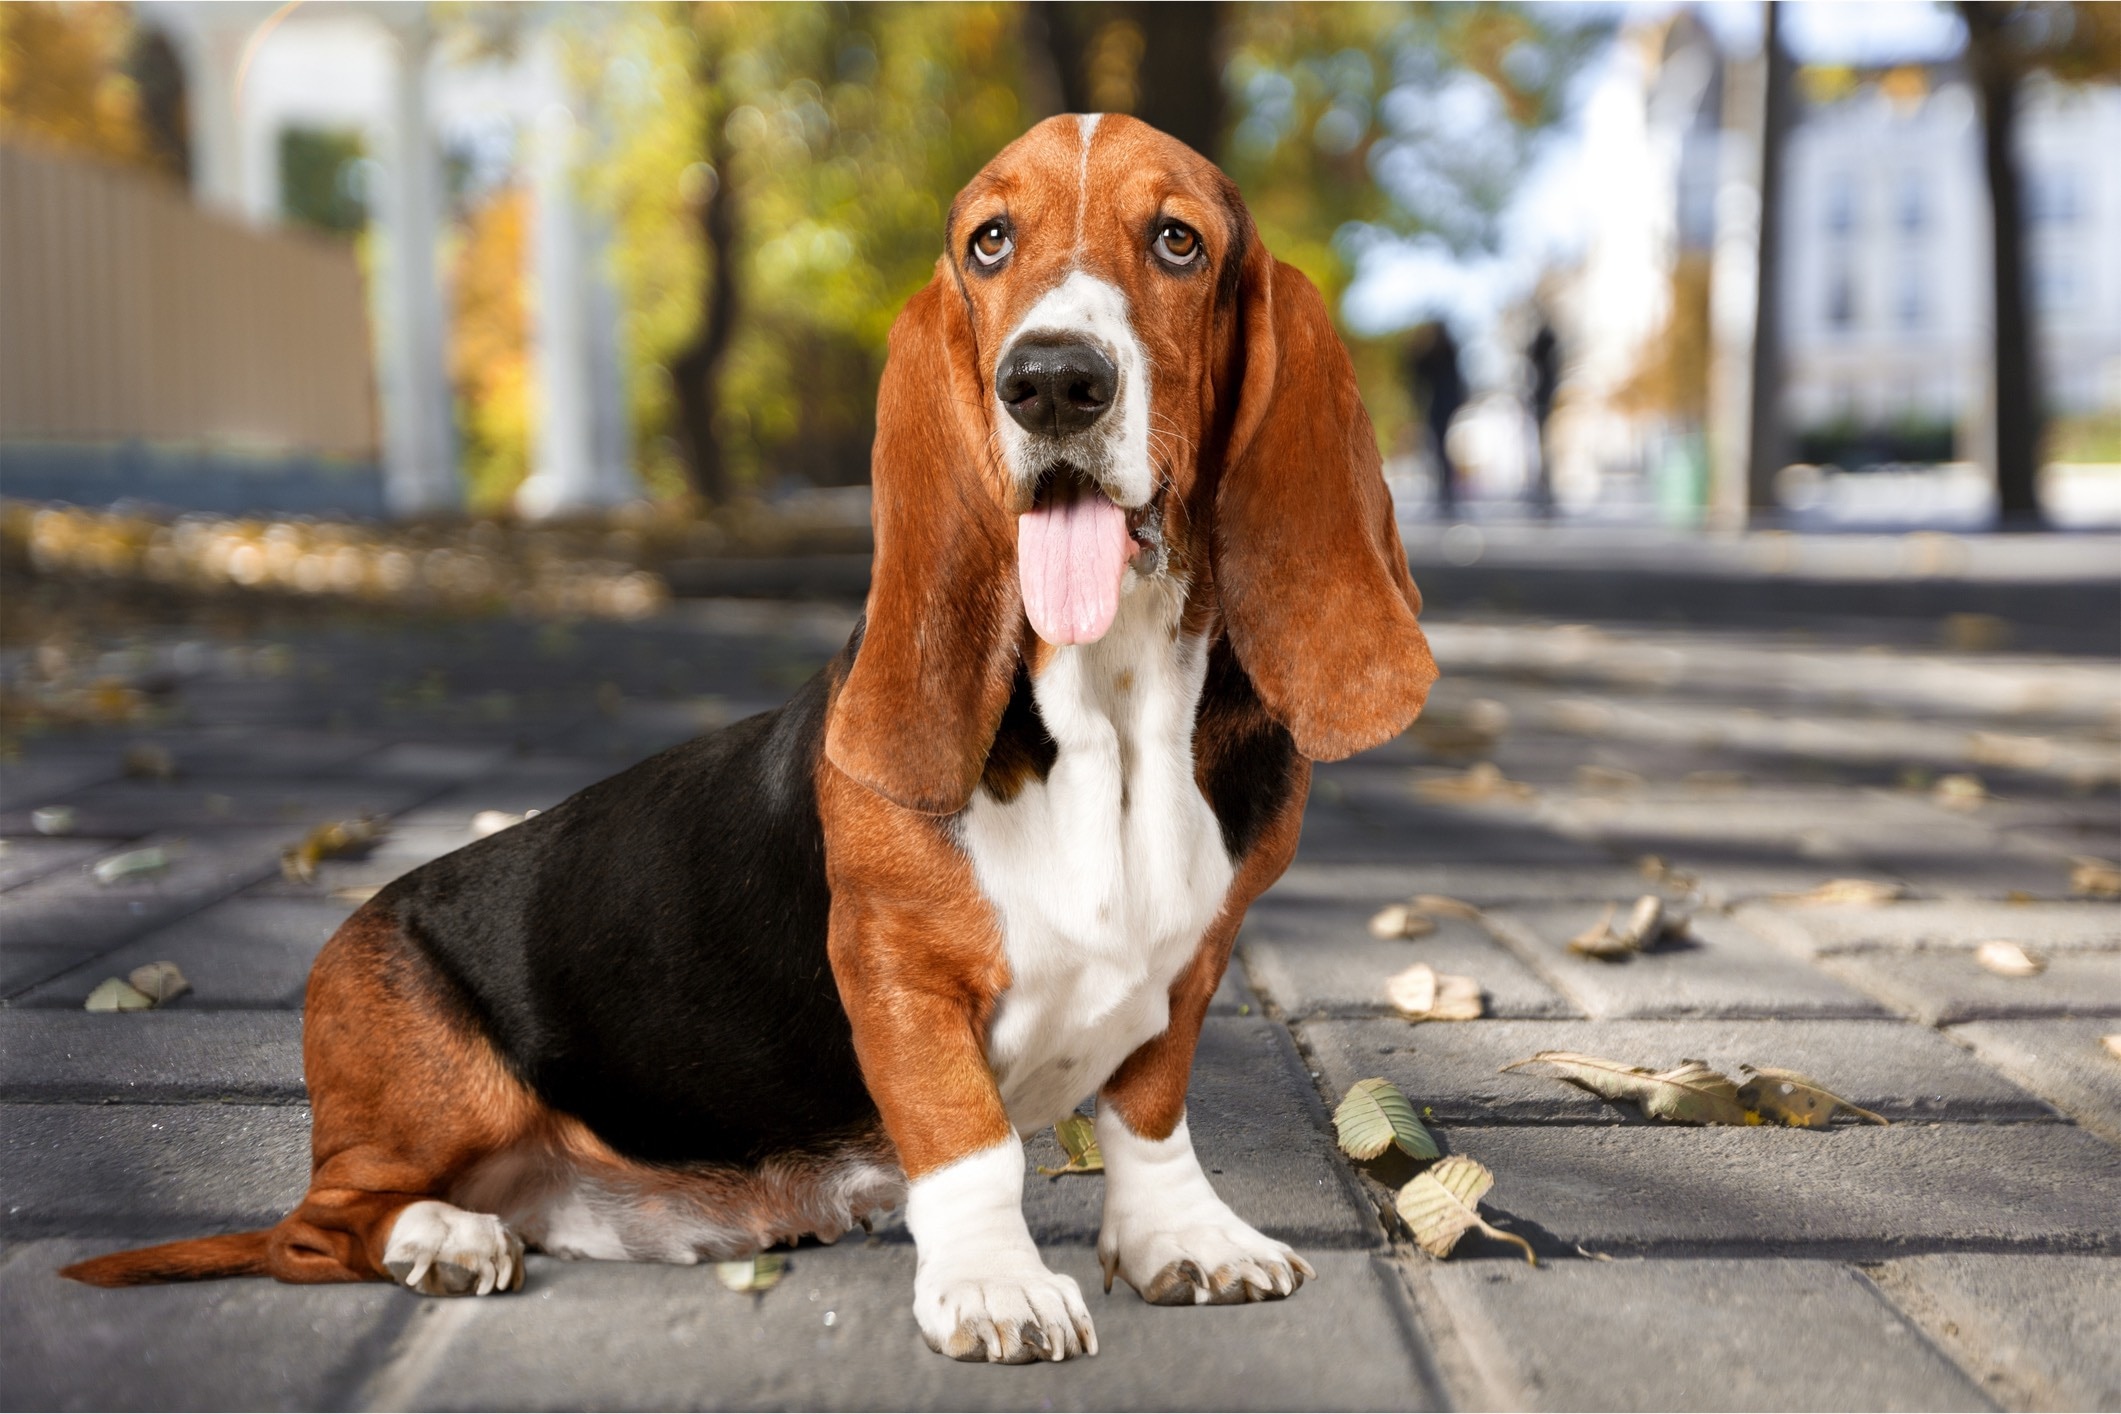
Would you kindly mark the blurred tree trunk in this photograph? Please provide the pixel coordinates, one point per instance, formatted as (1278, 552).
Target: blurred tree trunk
(1768, 444)
(1998, 72)
(696, 373)
(1160, 62)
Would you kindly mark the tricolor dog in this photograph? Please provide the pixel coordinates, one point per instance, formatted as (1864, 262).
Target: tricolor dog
(1136, 569)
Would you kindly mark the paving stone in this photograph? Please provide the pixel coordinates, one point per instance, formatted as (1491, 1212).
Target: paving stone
(1716, 968)
(1314, 955)
(1941, 987)
(838, 1333)
(244, 952)
(266, 752)
(128, 1170)
(65, 918)
(1319, 876)
(2061, 1060)
(1901, 1070)
(1693, 1335)
(130, 807)
(1812, 930)
(1262, 1135)
(25, 858)
(435, 760)
(209, 1346)
(1852, 1191)
(1780, 824)
(57, 769)
(159, 1057)
(2037, 1332)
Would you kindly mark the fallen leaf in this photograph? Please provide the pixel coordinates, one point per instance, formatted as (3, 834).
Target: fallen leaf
(1690, 1093)
(117, 994)
(1374, 1116)
(1644, 924)
(2094, 878)
(53, 820)
(2112, 1041)
(1421, 993)
(1483, 780)
(159, 982)
(1397, 920)
(1974, 633)
(1442, 1203)
(357, 893)
(760, 1273)
(148, 760)
(1440, 906)
(1862, 893)
(133, 864)
(1795, 1099)
(1606, 780)
(336, 840)
(1714, 781)
(1959, 792)
(2021, 753)
(492, 822)
(1078, 1140)
(2007, 959)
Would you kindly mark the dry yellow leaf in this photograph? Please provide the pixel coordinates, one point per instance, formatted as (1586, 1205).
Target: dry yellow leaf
(1959, 792)
(1421, 993)
(1397, 920)
(1644, 924)
(2094, 878)
(1440, 906)
(1606, 780)
(1689, 1093)
(1794, 1099)
(1862, 893)
(1376, 1115)
(1482, 781)
(149, 760)
(336, 840)
(2008, 959)
(1441, 1204)
(159, 982)
(2112, 1041)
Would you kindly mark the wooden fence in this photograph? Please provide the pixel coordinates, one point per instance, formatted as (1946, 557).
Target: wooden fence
(127, 314)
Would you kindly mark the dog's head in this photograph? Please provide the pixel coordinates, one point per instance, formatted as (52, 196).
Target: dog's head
(1108, 380)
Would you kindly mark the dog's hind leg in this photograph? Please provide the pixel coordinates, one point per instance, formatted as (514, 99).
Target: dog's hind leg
(409, 1099)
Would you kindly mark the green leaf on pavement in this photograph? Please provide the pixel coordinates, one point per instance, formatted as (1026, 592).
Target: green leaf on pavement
(760, 1273)
(1442, 1203)
(1078, 1140)
(1375, 1116)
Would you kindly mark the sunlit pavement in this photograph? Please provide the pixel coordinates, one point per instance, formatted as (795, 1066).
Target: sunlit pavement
(1966, 1256)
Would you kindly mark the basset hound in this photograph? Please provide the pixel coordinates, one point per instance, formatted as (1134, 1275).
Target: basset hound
(1136, 568)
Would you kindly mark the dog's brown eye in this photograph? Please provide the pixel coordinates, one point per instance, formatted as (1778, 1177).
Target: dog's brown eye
(991, 243)
(1177, 243)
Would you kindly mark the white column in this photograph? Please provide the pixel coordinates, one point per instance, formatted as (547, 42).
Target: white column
(212, 52)
(583, 455)
(420, 471)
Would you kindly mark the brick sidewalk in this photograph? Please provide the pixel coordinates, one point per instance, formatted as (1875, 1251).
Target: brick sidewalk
(1968, 1256)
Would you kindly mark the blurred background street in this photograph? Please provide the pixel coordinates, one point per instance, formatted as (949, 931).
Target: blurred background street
(410, 414)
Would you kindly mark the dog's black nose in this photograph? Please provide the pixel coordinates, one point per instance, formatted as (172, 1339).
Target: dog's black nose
(1056, 387)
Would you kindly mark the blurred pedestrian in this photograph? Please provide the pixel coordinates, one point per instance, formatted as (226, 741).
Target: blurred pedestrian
(1544, 356)
(1439, 389)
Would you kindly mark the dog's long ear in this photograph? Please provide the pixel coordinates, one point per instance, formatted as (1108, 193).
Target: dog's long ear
(1314, 583)
(918, 711)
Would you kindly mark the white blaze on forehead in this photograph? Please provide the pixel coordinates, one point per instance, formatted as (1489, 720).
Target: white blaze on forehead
(1117, 450)
(1087, 124)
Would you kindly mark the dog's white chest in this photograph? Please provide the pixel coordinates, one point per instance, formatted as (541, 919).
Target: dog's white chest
(1106, 874)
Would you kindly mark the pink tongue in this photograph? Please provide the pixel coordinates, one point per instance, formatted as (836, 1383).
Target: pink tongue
(1070, 559)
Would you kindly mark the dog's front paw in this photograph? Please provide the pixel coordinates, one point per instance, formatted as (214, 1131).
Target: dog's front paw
(1218, 1260)
(1010, 1310)
(439, 1250)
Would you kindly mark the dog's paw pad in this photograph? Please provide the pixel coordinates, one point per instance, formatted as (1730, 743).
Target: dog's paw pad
(439, 1250)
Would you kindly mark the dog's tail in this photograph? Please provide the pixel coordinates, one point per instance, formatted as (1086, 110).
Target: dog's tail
(235, 1254)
